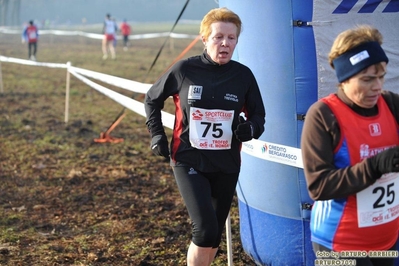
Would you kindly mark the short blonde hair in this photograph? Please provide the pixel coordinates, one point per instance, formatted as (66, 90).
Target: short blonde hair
(219, 14)
(351, 38)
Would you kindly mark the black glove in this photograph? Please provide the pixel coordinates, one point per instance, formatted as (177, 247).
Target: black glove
(387, 161)
(245, 130)
(159, 146)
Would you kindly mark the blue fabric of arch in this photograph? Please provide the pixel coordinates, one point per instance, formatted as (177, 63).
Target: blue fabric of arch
(274, 227)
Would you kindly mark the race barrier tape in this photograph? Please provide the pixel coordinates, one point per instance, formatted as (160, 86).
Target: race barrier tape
(101, 36)
(29, 62)
(116, 81)
(261, 149)
(127, 102)
(273, 152)
(264, 150)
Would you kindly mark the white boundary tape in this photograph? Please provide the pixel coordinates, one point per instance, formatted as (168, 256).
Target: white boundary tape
(101, 36)
(129, 103)
(261, 149)
(116, 81)
(274, 152)
(31, 63)
(264, 150)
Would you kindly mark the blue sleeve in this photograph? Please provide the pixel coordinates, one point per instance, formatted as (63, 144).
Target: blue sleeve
(24, 33)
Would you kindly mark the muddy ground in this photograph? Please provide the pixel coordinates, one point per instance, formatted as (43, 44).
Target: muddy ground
(66, 199)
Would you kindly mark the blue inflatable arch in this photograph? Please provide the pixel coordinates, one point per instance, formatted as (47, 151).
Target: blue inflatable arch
(286, 44)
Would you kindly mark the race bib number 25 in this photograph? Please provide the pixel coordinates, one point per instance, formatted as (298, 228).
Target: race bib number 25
(379, 203)
(210, 129)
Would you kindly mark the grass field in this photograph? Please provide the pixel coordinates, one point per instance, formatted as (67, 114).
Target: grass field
(67, 200)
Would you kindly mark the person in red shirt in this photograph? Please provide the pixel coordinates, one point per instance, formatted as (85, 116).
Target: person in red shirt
(125, 30)
(31, 36)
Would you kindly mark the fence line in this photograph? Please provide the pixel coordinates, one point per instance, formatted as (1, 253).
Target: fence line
(127, 102)
(1, 80)
(135, 106)
(112, 80)
(101, 36)
(264, 150)
(256, 148)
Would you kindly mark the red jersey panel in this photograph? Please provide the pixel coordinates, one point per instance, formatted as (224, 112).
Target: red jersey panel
(368, 220)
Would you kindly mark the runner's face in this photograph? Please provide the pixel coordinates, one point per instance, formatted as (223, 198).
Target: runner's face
(364, 88)
(221, 42)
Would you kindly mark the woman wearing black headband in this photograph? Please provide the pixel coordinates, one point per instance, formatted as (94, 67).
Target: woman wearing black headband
(351, 159)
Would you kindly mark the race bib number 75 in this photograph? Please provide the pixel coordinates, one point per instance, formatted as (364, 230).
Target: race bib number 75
(211, 129)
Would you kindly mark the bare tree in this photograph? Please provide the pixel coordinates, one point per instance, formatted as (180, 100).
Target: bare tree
(3, 12)
(7, 17)
(15, 11)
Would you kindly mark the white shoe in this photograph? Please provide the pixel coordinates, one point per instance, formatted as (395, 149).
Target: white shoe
(33, 58)
(125, 48)
(105, 57)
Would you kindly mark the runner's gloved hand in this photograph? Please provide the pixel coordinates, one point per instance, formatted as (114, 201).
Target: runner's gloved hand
(160, 146)
(245, 130)
(387, 161)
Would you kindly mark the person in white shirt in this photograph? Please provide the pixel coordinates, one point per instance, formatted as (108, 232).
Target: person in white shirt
(109, 30)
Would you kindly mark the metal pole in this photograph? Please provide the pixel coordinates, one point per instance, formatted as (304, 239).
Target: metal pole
(229, 242)
(68, 81)
(171, 45)
(1, 81)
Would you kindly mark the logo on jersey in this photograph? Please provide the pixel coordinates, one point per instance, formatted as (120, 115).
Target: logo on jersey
(231, 97)
(375, 129)
(194, 92)
(366, 151)
(197, 115)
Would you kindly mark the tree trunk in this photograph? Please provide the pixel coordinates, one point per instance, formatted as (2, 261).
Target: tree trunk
(16, 9)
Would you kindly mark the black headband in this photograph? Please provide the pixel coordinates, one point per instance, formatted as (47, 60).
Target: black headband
(358, 58)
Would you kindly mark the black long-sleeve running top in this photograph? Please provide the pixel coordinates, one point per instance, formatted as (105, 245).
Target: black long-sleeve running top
(208, 101)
